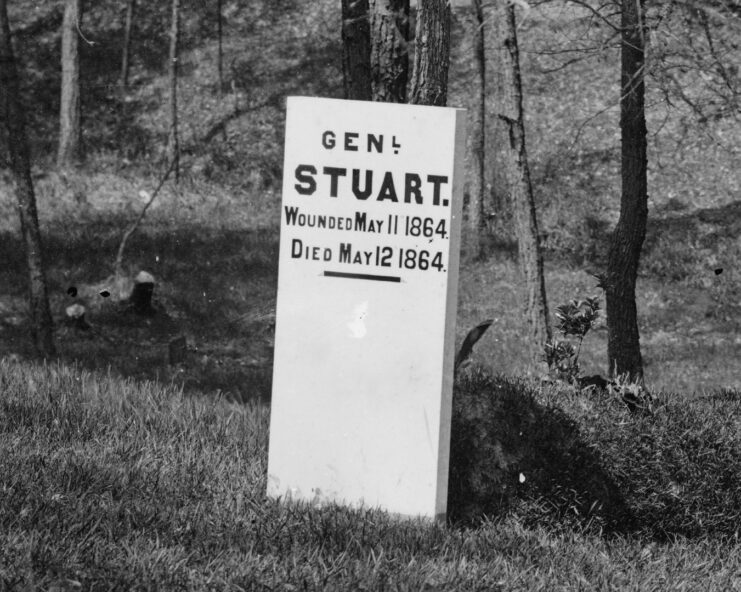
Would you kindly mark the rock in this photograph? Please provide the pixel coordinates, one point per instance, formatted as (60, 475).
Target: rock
(144, 277)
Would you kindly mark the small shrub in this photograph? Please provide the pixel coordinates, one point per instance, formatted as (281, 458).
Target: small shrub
(575, 319)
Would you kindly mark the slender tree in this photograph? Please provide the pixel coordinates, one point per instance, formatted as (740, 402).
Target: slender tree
(220, 53)
(126, 51)
(623, 344)
(356, 50)
(509, 110)
(389, 23)
(432, 54)
(69, 150)
(11, 111)
(477, 133)
(173, 142)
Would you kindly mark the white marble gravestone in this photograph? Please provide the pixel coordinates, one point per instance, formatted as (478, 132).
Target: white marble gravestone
(367, 290)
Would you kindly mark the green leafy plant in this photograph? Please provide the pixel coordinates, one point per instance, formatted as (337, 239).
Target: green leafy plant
(574, 321)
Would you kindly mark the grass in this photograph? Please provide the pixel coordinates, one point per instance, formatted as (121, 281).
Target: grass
(689, 330)
(577, 458)
(115, 484)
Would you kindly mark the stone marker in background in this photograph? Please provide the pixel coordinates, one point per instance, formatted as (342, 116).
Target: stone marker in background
(141, 295)
(367, 290)
(75, 316)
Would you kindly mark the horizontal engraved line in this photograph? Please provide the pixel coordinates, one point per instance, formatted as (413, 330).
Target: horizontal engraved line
(362, 276)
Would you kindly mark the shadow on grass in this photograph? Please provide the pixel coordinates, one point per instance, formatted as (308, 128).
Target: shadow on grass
(590, 465)
(511, 453)
(216, 288)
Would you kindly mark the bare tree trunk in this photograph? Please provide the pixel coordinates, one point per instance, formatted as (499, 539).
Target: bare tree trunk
(389, 22)
(220, 55)
(11, 111)
(477, 134)
(432, 54)
(623, 342)
(356, 50)
(510, 111)
(126, 53)
(173, 142)
(69, 150)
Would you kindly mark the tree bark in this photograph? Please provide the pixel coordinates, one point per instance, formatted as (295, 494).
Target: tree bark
(389, 22)
(623, 341)
(356, 50)
(510, 111)
(477, 135)
(220, 54)
(126, 52)
(11, 110)
(173, 142)
(69, 150)
(432, 54)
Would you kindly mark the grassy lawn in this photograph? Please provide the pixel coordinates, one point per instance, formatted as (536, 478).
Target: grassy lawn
(114, 484)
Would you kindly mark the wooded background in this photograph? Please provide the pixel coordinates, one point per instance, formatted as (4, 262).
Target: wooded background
(105, 102)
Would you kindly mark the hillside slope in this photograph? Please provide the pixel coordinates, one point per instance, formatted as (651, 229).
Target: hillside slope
(690, 314)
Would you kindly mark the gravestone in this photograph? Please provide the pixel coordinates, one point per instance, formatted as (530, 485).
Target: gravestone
(367, 292)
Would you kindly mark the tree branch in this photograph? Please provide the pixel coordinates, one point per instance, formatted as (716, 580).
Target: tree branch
(597, 13)
(118, 263)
